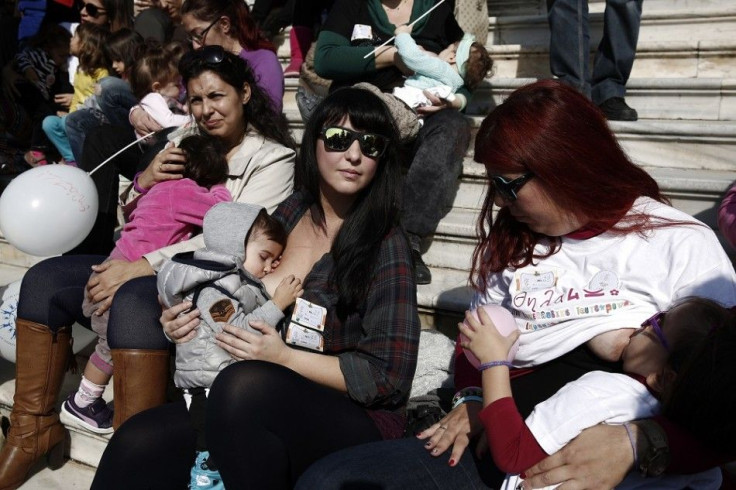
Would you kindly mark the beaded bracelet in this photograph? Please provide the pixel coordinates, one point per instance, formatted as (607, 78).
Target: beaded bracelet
(469, 394)
(632, 440)
(487, 365)
(138, 189)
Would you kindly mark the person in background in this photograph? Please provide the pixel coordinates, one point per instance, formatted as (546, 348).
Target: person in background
(727, 216)
(569, 51)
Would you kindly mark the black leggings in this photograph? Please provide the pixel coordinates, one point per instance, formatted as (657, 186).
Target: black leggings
(52, 292)
(265, 425)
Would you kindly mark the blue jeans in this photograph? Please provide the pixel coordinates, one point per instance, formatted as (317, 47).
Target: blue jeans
(399, 464)
(53, 126)
(569, 49)
(115, 101)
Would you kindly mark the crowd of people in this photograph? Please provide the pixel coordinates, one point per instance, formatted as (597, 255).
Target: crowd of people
(282, 281)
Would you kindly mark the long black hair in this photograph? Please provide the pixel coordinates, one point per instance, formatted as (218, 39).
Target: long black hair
(233, 70)
(376, 210)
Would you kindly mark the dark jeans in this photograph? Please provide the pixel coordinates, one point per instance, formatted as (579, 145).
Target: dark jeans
(431, 183)
(406, 465)
(570, 46)
(52, 291)
(265, 425)
(115, 101)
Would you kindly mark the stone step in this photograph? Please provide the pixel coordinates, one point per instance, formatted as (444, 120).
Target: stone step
(499, 8)
(682, 58)
(696, 99)
(707, 23)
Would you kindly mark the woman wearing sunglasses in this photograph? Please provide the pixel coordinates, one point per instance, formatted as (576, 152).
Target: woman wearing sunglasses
(582, 249)
(225, 102)
(346, 382)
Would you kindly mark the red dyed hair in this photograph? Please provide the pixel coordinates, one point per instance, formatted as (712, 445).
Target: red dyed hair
(552, 130)
(243, 25)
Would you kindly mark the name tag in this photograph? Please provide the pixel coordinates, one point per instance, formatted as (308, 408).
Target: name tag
(309, 314)
(307, 338)
(360, 32)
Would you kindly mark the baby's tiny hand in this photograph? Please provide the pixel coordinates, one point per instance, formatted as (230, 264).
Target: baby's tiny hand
(405, 29)
(287, 292)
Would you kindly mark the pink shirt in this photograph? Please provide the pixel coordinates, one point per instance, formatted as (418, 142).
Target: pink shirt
(169, 213)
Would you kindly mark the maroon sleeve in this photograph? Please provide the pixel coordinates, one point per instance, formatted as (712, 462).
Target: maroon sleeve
(465, 374)
(512, 444)
(687, 454)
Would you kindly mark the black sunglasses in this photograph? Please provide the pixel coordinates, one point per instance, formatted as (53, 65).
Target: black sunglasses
(199, 38)
(92, 10)
(337, 138)
(207, 55)
(509, 189)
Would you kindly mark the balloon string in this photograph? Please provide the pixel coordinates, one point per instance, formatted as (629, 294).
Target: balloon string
(120, 151)
(415, 21)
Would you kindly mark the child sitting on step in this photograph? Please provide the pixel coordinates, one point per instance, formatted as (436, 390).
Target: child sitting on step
(223, 281)
(659, 358)
(169, 212)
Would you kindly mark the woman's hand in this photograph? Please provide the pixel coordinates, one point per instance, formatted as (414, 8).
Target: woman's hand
(245, 345)
(599, 458)
(142, 122)
(64, 100)
(483, 338)
(168, 164)
(437, 104)
(110, 276)
(456, 429)
(182, 328)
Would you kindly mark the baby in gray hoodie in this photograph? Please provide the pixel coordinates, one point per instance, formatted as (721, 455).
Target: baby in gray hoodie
(223, 280)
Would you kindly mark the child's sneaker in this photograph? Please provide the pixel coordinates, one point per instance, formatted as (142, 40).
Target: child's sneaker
(202, 477)
(96, 417)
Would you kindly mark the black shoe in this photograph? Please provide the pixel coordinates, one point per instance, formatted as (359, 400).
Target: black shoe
(422, 275)
(616, 109)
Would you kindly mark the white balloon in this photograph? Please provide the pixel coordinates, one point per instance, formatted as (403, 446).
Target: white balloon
(48, 210)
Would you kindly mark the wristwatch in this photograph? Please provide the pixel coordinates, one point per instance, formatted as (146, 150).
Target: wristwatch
(657, 456)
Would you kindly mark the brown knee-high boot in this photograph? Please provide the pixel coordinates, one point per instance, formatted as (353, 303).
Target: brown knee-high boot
(139, 381)
(41, 362)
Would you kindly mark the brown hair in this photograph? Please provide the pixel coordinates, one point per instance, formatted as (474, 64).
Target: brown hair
(92, 39)
(479, 64)
(154, 65)
(206, 163)
(268, 226)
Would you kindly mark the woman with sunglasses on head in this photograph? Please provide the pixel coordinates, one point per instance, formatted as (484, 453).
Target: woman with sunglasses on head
(347, 382)
(226, 103)
(582, 249)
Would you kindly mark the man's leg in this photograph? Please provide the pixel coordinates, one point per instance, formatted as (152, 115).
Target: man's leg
(569, 46)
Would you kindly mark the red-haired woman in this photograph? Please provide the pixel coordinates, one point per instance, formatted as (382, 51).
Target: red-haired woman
(229, 24)
(582, 250)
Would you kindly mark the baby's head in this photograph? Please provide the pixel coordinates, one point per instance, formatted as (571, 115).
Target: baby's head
(122, 48)
(666, 341)
(206, 160)
(702, 398)
(263, 244)
(471, 60)
(155, 71)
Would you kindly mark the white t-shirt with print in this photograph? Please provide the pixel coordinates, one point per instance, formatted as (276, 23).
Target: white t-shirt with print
(610, 282)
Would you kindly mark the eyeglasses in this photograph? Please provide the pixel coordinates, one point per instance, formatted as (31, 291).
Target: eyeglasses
(654, 322)
(339, 139)
(92, 10)
(509, 189)
(199, 38)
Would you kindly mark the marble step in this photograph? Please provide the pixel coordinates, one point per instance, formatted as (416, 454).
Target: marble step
(681, 58)
(499, 8)
(706, 23)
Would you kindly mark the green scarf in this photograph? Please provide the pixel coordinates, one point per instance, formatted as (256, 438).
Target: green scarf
(378, 14)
